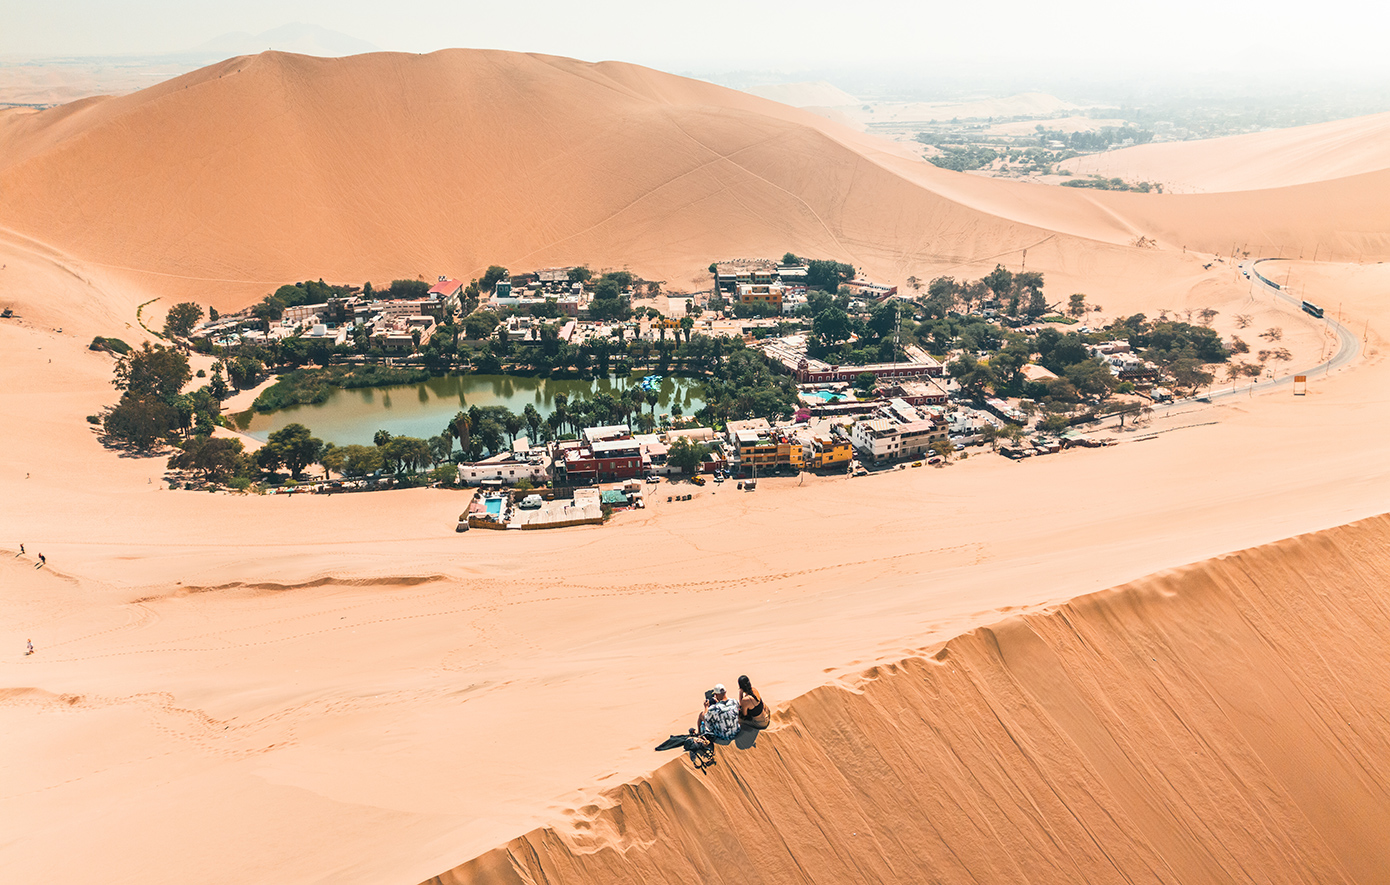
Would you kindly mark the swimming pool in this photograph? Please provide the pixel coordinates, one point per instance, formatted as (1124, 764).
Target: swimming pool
(494, 506)
(826, 396)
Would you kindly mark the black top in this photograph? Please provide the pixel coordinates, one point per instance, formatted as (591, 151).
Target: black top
(756, 711)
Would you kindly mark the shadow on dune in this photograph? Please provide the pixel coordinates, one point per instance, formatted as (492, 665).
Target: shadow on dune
(1222, 722)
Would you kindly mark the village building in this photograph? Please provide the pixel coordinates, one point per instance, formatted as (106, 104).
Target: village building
(507, 468)
(789, 353)
(602, 454)
(447, 292)
(898, 431)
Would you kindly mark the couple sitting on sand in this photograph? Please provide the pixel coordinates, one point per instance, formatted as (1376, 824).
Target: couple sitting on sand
(722, 718)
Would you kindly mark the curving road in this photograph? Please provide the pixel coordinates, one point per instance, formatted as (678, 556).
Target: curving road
(1348, 347)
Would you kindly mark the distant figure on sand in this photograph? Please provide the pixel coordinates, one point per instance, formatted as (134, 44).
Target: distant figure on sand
(751, 709)
(720, 717)
(30, 649)
(21, 549)
(42, 561)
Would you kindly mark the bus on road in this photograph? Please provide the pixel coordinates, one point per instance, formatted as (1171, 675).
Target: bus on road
(1310, 307)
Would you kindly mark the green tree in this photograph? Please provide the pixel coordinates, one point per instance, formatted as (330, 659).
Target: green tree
(579, 275)
(490, 434)
(216, 457)
(686, 455)
(832, 326)
(491, 277)
(293, 447)
(1055, 423)
(269, 310)
(1189, 375)
(181, 319)
(245, 372)
(460, 426)
(883, 319)
(534, 423)
(441, 447)
(1000, 281)
(139, 420)
(154, 371)
(864, 383)
(828, 275)
(412, 290)
(480, 324)
(360, 460)
(1076, 305)
(971, 374)
(333, 459)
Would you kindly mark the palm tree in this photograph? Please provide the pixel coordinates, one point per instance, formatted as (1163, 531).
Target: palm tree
(533, 421)
(460, 428)
(513, 422)
(562, 410)
(441, 447)
(653, 397)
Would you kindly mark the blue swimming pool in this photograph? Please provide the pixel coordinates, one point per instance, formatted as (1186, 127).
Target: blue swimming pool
(825, 396)
(494, 506)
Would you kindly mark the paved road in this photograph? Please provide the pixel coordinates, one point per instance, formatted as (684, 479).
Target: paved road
(1348, 347)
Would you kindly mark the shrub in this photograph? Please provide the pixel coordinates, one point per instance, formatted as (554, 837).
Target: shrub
(93, 419)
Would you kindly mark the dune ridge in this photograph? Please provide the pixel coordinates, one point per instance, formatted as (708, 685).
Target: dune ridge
(267, 168)
(1275, 158)
(1213, 723)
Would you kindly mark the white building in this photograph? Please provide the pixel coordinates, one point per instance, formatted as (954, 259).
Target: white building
(506, 468)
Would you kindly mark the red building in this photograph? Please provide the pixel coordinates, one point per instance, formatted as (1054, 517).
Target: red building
(604, 461)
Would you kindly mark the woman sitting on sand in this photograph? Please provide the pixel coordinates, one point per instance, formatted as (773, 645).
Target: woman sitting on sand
(752, 712)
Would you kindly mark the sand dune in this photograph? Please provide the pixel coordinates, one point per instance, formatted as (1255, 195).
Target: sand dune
(1216, 723)
(1277, 158)
(262, 169)
(268, 168)
(306, 688)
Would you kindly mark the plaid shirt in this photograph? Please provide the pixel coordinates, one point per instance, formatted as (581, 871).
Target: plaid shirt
(721, 719)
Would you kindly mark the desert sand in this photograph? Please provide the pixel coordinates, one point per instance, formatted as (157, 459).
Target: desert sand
(1259, 160)
(290, 689)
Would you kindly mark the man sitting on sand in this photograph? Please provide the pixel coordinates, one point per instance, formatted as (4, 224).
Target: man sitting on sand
(720, 718)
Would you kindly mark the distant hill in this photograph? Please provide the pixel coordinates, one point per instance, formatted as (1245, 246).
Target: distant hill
(301, 38)
(1276, 158)
(806, 95)
(274, 167)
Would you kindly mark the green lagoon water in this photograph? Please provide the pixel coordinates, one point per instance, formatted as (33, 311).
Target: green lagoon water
(350, 417)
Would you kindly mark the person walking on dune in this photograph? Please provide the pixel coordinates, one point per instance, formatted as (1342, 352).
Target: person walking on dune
(21, 549)
(43, 561)
(30, 650)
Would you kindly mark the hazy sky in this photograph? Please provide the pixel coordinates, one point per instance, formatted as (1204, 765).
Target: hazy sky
(1165, 36)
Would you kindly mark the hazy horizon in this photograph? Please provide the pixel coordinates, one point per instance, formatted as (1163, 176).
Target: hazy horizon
(1081, 38)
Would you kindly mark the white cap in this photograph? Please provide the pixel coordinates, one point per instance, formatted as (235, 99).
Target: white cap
(719, 688)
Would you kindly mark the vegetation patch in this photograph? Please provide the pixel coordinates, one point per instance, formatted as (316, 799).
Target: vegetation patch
(110, 345)
(311, 386)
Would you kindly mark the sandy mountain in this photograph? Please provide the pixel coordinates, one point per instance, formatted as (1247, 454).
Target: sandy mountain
(257, 170)
(298, 37)
(263, 169)
(1276, 158)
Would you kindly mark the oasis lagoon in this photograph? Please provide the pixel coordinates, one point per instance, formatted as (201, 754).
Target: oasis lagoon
(352, 417)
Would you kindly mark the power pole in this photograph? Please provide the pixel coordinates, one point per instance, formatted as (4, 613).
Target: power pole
(898, 326)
